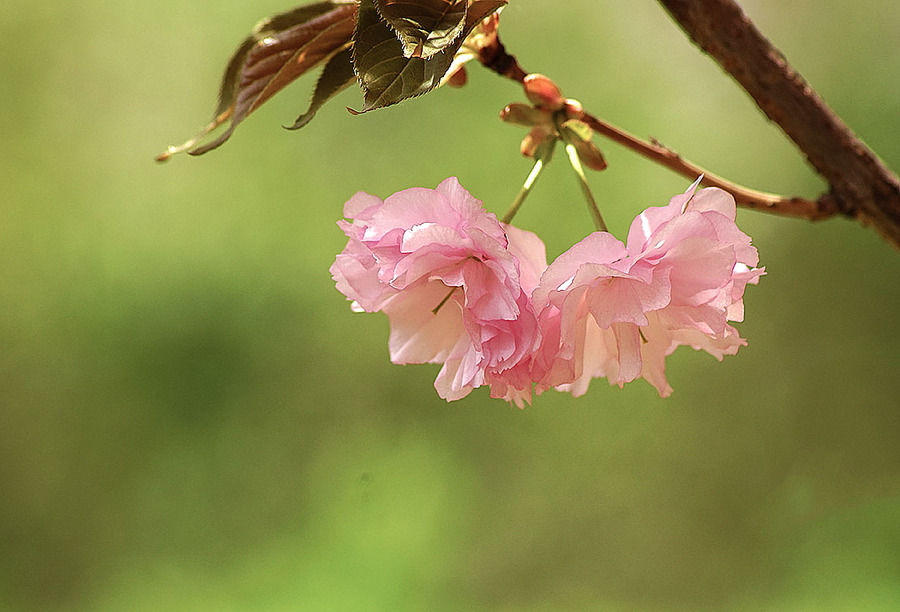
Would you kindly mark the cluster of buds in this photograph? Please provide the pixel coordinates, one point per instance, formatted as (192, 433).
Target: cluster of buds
(552, 118)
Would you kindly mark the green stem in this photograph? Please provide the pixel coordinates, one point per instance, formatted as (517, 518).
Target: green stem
(544, 153)
(599, 223)
(437, 308)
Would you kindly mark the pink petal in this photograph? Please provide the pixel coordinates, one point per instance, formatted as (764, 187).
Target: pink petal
(361, 205)
(418, 335)
(531, 253)
(713, 199)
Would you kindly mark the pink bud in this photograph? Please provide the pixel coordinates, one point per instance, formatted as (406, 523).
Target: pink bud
(574, 109)
(543, 92)
(459, 78)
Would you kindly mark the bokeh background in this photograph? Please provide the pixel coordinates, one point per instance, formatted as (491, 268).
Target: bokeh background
(191, 418)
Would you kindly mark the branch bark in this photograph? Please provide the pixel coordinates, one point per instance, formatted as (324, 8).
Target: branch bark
(813, 210)
(861, 186)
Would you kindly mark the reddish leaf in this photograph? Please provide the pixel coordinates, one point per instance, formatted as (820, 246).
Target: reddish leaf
(280, 49)
(286, 46)
(336, 76)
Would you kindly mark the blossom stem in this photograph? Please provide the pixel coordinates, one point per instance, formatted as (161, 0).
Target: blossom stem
(446, 299)
(542, 157)
(575, 161)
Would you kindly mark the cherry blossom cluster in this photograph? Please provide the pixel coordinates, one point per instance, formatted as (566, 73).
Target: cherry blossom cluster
(466, 291)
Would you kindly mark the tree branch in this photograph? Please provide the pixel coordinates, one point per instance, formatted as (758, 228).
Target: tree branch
(861, 185)
(813, 210)
(494, 56)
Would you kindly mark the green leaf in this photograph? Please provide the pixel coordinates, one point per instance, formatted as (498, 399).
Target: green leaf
(336, 76)
(385, 74)
(424, 27)
(278, 51)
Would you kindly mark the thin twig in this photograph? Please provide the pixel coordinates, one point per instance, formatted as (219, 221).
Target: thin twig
(495, 57)
(750, 198)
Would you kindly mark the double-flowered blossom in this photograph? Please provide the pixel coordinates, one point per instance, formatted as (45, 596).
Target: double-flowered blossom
(616, 311)
(477, 296)
(454, 282)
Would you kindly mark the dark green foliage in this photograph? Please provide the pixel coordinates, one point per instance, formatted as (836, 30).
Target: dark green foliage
(426, 27)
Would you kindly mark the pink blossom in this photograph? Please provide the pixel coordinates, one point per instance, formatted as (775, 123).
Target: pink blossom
(454, 283)
(616, 311)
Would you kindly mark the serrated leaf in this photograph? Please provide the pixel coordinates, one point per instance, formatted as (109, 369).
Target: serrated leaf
(336, 76)
(479, 10)
(278, 51)
(385, 74)
(424, 27)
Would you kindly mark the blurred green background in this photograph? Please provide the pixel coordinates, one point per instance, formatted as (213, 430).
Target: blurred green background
(191, 418)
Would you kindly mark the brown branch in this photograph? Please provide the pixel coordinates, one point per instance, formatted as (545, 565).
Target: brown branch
(493, 55)
(814, 210)
(861, 185)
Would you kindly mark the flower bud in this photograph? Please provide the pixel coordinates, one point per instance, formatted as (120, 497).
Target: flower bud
(459, 78)
(590, 155)
(578, 134)
(533, 140)
(543, 92)
(523, 114)
(574, 109)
